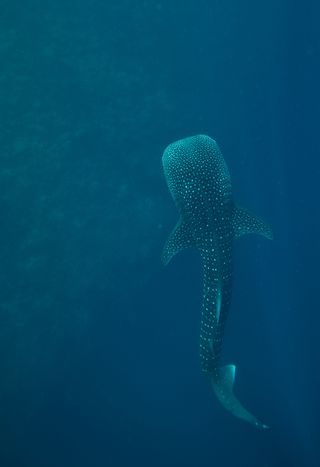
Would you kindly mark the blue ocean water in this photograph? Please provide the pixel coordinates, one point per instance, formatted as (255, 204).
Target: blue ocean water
(98, 341)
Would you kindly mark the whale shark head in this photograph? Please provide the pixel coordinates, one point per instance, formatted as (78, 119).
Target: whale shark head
(197, 175)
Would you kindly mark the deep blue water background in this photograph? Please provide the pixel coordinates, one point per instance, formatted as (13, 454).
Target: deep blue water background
(98, 342)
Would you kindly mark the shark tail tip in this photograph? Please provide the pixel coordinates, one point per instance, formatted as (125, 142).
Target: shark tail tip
(222, 381)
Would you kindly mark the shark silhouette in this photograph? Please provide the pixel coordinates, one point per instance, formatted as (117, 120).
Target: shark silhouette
(199, 181)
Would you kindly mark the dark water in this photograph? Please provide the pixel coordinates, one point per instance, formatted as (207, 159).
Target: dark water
(98, 342)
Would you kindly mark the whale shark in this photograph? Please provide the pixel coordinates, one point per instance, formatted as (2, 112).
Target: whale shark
(199, 182)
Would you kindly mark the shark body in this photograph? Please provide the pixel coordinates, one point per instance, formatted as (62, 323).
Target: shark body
(199, 181)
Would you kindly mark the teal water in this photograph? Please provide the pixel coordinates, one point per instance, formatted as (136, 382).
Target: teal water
(98, 342)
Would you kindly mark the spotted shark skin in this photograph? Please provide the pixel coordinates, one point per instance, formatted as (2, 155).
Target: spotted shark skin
(199, 181)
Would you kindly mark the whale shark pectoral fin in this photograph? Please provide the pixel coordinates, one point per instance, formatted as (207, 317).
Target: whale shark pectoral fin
(246, 223)
(222, 383)
(179, 239)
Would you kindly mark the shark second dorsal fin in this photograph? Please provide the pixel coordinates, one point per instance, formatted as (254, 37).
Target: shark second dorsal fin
(179, 239)
(246, 223)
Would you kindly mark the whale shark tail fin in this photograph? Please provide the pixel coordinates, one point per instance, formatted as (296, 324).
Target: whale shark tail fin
(222, 383)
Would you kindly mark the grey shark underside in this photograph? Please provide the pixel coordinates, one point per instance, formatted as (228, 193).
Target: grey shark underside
(199, 182)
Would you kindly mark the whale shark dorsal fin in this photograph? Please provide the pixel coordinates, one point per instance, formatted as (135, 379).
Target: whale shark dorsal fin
(246, 223)
(179, 239)
(227, 375)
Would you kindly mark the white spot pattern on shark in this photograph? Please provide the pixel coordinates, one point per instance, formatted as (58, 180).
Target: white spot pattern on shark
(199, 181)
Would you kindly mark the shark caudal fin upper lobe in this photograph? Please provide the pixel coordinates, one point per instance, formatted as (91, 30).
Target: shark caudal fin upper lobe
(222, 383)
